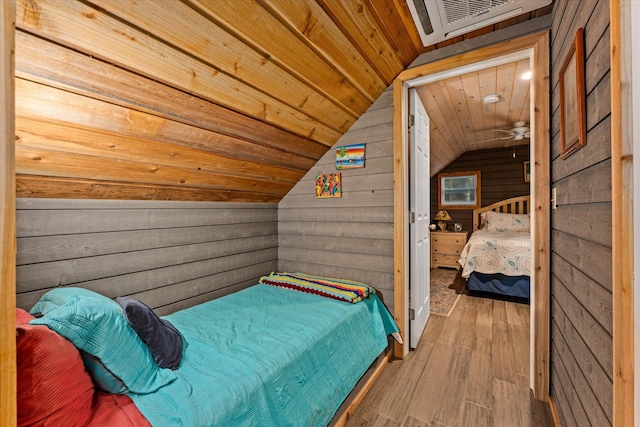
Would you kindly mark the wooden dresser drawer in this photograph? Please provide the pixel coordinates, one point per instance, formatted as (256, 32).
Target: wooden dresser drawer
(449, 239)
(445, 260)
(447, 249)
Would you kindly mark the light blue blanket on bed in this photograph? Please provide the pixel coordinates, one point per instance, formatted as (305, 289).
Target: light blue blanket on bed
(267, 356)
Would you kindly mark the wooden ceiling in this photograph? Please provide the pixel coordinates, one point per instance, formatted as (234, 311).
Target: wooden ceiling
(461, 122)
(219, 100)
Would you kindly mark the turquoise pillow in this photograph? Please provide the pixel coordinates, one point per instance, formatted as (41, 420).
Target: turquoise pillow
(95, 324)
(102, 378)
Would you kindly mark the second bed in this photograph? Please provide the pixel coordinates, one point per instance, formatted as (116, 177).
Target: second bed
(497, 257)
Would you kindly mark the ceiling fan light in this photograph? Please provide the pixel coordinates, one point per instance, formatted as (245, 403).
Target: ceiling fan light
(491, 99)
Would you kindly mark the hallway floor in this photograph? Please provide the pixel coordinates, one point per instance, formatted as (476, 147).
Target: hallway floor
(470, 369)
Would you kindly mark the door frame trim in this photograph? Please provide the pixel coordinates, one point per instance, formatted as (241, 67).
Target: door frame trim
(540, 121)
(623, 228)
(8, 408)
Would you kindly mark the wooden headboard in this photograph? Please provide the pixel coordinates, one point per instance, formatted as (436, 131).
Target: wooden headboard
(515, 205)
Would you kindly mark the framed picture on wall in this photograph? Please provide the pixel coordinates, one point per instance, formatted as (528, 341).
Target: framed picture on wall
(328, 185)
(527, 171)
(350, 156)
(573, 115)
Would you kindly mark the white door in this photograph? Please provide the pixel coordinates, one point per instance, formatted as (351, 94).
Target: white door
(419, 218)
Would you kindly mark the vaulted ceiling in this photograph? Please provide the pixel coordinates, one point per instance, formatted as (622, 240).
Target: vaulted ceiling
(229, 100)
(460, 119)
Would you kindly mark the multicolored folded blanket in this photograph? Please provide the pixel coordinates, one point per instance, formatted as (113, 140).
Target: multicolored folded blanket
(340, 289)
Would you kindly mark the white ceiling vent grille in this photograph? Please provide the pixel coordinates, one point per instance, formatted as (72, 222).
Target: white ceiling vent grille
(439, 20)
(456, 10)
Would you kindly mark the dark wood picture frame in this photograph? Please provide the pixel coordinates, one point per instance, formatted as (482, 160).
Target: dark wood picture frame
(573, 115)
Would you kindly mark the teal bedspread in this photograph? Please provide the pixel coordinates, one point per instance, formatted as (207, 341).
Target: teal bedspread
(267, 356)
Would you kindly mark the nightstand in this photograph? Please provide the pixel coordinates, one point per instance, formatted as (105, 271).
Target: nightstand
(446, 247)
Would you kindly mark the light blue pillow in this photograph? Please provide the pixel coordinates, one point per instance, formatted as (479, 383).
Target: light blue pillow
(95, 324)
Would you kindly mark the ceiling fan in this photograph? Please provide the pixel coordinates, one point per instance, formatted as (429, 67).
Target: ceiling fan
(518, 132)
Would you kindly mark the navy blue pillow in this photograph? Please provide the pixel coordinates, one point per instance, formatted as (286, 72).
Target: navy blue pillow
(162, 338)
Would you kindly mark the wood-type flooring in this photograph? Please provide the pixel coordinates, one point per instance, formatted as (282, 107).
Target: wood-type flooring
(470, 369)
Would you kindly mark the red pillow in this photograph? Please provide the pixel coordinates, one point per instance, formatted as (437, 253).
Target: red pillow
(53, 386)
(22, 317)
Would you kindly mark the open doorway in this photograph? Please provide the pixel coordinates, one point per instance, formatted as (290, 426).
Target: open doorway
(462, 123)
(534, 47)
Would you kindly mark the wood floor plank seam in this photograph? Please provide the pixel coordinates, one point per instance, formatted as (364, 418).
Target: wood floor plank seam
(465, 371)
(473, 403)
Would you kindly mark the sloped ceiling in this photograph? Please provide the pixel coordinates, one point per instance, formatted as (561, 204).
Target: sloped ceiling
(220, 100)
(461, 121)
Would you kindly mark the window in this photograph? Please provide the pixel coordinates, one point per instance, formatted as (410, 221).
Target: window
(459, 190)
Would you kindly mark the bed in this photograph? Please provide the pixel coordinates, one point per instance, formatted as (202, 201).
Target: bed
(497, 256)
(284, 351)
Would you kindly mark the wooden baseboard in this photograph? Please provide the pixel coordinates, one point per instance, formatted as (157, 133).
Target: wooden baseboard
(342, 421)
(554, 412)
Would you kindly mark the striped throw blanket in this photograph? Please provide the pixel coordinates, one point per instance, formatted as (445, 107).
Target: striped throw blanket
(340, 289)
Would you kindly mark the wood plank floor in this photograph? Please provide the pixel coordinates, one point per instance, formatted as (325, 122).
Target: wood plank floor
(470, 369)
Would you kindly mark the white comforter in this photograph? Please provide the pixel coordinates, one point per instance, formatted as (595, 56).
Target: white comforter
(488, 252)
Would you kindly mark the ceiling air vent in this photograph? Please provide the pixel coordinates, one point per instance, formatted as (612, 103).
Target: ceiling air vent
(439, 20)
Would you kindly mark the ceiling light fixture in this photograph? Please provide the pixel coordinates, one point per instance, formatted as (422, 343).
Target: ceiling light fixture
(526, 75)
(491, 99)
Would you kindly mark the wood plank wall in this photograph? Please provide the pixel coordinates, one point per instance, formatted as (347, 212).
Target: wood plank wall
(351, 236)
(502, 177)
(581, 329)
(170, 255)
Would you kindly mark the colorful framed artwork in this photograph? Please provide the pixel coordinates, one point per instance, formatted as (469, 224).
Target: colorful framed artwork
(527, 171)
(573, 115)
(350, 156)
(328, 185)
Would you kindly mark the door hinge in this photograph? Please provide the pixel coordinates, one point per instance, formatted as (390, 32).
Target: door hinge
(412, 217)
(412, 120)
(412, 314)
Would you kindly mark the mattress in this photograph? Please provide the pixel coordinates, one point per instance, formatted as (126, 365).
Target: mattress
(267, 356)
